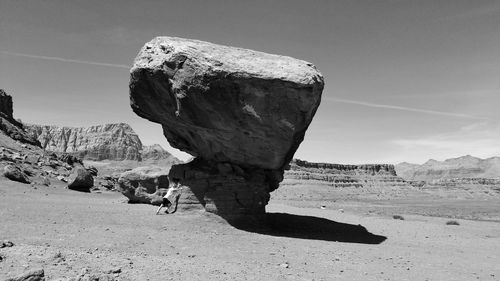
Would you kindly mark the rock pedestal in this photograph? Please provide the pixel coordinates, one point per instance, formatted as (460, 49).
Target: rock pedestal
(242, 113)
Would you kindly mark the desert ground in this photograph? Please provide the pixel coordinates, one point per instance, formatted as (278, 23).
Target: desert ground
(69, 233)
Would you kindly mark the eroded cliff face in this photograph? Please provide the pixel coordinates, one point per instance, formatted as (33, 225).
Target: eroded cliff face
(101, 142)
(340, 175)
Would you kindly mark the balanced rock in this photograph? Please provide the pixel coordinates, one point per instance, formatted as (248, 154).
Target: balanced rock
(81, 180)
(244, 109)
(144, 185)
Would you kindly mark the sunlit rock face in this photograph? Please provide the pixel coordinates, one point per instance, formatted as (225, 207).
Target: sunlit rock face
(100, 142)
(242, 113)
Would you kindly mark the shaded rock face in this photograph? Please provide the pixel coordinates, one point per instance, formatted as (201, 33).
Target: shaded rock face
(144, 185)
(81, 180)
(15, 173)
(101, 142)
(11, 127)
(6, 104)
(226, 105)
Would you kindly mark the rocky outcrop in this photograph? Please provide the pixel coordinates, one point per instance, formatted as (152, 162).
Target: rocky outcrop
(11, 127)
(6, 105)
(101, 142)
(144, 185)
(340, 175)
(242, 113)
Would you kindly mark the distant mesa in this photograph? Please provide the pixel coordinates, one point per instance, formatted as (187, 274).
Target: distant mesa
(101, 142)
(370, 177)
(241, 113)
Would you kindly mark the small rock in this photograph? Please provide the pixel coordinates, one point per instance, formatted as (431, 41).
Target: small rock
(6, 243)
(285, 265)
(32, 275)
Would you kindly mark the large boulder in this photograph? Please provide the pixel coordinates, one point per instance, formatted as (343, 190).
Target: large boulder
(229, 106)
(144, 185)
(14, 173)
(81, 179)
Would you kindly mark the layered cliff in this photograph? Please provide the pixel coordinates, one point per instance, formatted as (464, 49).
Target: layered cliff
(339, 175)
(101, 142)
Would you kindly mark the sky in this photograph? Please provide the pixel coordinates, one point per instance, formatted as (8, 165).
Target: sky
(405, 80)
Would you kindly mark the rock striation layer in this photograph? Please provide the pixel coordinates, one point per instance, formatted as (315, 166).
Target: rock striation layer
(101, 142)
(241, 111)
(369, 176)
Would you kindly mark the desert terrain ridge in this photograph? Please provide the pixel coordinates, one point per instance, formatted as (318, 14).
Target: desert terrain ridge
(66, 232)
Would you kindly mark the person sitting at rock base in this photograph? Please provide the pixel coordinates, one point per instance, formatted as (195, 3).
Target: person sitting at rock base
(172, 196)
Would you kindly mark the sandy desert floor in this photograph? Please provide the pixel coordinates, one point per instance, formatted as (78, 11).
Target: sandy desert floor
(65, 232)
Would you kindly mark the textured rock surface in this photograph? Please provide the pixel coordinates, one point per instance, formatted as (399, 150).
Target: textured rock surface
(15, 173)
(234, 105)
(81, 180)
(245, 110)
(144, 185)
(110, 141)
(32, 275)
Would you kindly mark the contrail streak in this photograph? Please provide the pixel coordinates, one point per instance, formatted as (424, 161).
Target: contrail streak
(403, 108)
(65, 60)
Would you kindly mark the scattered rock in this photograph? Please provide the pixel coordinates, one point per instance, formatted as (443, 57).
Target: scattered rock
(144, 185)
(62, 178)
(32, 275)
(452, 223)
(398, 217)
(92, 170)
(15, 173)
(6, 243)
(80, 180)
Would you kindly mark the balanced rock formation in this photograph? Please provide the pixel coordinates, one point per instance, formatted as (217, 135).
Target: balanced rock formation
(242, 113)
(144, 185)
(101, 142)
(11, 127)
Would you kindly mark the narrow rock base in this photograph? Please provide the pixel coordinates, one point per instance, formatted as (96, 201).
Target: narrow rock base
(224, 189)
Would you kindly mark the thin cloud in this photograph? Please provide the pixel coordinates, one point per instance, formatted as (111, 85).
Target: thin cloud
(403, 108)
(65, 60)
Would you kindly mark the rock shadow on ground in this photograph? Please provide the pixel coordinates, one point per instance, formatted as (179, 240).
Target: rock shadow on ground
(309, 227)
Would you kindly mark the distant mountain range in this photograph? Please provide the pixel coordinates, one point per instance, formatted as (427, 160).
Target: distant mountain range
(453, 168)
